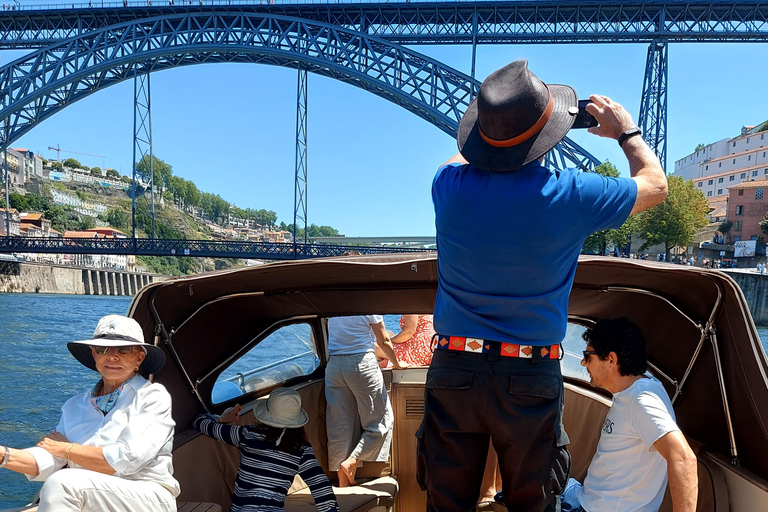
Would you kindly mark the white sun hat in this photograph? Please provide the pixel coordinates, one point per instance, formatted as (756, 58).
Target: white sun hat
(118, 331)
(282, 409)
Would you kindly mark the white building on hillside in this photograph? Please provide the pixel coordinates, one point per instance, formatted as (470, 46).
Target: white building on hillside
(725, 163)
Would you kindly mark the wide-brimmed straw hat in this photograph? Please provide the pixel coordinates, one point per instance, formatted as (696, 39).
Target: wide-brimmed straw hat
(118, 331)
(282, 409)
(515, 119)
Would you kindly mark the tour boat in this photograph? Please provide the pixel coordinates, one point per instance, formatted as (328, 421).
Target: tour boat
(234, 335)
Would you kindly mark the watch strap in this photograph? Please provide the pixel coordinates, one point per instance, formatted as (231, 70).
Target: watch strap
(628, 134)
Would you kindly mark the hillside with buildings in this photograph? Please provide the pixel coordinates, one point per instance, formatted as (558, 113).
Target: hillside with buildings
(66, 199)
(732, 173)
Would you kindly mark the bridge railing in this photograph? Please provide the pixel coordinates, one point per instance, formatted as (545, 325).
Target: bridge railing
(191, 248)
(97, 4)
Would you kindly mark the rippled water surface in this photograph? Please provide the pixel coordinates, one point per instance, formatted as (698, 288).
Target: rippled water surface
(37, 373)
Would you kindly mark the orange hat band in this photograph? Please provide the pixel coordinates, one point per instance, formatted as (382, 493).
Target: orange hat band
(527, 134)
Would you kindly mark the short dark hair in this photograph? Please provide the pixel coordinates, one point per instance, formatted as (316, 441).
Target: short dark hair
(623, 337)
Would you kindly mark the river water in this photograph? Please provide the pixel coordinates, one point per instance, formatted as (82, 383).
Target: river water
(37, 373)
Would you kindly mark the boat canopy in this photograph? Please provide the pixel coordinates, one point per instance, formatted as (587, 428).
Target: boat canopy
(702, 342)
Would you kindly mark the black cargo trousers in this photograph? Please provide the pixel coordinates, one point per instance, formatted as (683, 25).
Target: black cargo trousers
(516, 402)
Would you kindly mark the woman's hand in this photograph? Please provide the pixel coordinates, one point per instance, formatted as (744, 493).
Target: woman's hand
(55, 443)
(231, 414)
(56, 436)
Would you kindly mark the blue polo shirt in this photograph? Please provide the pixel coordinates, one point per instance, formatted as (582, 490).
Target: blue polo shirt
(508, 244)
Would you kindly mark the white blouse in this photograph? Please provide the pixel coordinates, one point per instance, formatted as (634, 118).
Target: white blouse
(136, 435)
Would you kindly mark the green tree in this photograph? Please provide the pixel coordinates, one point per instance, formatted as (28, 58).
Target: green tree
(725, 227)
(119, 218)
(18, 201)
(113, 174)
(675, 221)
(57, 166)
(599, 240)
(96, 172)
(85, 223)
(764, 224)
(161, 171)
(699, 147)
(71, 163)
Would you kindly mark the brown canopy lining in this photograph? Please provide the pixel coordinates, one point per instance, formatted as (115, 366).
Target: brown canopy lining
(210, 319)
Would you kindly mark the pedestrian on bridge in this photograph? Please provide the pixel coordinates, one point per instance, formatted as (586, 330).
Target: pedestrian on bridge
(502, 301)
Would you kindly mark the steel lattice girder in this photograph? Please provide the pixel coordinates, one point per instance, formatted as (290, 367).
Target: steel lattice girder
(192, 248)
(40, 84)
(653, 102)
(36, 86)
(521, 21)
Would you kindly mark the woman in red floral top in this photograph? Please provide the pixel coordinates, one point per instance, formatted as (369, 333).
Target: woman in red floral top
(413, 343)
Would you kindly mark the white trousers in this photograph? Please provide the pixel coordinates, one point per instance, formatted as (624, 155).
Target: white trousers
(356, 397)
(82, 490)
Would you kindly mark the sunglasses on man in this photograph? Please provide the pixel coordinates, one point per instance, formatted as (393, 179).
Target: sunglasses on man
(121, 351)
(588, 353)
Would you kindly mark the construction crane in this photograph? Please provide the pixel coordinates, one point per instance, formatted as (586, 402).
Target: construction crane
(58, 151)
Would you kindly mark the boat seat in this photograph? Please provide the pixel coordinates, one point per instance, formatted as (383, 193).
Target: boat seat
(197, 506)
(368, 496)
(187, 506)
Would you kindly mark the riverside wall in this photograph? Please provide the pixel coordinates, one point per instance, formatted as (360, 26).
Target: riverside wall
(30, 277)
(755, 289)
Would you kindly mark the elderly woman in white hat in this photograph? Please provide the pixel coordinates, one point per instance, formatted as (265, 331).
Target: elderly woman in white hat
(271, 454)
(115, 438)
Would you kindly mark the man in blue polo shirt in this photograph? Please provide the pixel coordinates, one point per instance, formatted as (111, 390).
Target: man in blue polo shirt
(509, 233)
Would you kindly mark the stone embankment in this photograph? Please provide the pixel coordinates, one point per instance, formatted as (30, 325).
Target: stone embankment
(755, 289)
(29, 277)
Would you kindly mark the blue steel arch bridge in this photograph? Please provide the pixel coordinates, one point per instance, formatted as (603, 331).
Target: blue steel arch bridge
(81, 49)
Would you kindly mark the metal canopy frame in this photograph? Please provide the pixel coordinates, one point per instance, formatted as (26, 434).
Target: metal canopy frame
(707, 330)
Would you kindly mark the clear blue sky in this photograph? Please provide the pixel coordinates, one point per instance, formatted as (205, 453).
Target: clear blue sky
(230, 128)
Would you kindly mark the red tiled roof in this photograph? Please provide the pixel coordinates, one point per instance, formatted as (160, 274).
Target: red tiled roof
(31, 216)
(105, 229)
(750, 184)
(80, 234)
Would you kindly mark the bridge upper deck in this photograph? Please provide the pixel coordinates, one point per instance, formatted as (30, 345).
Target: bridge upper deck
(425, 22)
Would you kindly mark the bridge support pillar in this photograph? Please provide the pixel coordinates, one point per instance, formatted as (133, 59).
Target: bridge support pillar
(95, 279)
(142, 145)
(111, 283)
(87, 284)
(653, 104)
(300, 191)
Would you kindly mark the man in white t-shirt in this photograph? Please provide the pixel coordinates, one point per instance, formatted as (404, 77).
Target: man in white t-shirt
(356, 395)
(641, 446)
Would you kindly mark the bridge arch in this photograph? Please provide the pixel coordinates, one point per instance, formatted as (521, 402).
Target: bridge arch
(44, 82)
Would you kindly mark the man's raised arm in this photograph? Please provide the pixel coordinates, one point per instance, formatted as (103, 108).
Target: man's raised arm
(644, 167)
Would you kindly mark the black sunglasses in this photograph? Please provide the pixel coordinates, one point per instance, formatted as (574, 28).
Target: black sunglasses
(588, 353)
(121, 351)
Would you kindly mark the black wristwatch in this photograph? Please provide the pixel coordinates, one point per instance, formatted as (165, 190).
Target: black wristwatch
(629, 134)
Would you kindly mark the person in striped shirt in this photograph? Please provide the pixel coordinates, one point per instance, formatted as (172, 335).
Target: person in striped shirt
(271, 453)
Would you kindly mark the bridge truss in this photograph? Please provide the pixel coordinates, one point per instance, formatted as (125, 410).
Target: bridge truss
(88, 49)
(190, 248)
